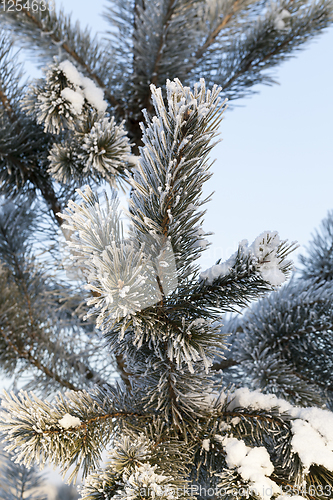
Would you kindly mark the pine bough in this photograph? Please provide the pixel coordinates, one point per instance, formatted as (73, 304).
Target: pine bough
(172, 433)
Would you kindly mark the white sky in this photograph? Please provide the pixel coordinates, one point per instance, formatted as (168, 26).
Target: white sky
(274, 166)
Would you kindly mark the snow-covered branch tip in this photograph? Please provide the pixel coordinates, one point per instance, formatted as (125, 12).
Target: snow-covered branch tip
(311, 428)
(89, 143)
(266, 258)
(38, 431)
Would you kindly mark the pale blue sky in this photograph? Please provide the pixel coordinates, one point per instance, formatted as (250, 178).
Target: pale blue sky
(273, 169)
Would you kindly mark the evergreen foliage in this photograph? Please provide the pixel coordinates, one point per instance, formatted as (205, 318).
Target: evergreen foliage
(198, 409)
(19, 482)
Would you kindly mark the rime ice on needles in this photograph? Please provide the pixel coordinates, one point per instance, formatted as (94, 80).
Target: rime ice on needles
(106, 149)
(64, 162)
(101, 153)
(122, 275)
(128, 451)
(167, 184)
(146, 481)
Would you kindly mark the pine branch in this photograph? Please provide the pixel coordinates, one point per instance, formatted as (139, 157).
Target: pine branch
(85, 421)
(18, 482)
(276, 342)
(245, 60)
(26, 355)
(7, 106)
(64, 360)
(317, 262)
(10, 76)
(20, 138)
(50, 32)
(35, 319)
(229, 286)
(159, 53)
(232, 10)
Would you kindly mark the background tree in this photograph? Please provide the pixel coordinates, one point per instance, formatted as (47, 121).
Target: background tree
(157, 316)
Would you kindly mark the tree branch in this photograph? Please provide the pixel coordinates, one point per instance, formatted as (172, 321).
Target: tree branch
(44, 186)
(224, 364)
(148, 104)
(214, 34)
(83, 426)
(29, 357)
(71, 52)
(7, 106)
(250, 59)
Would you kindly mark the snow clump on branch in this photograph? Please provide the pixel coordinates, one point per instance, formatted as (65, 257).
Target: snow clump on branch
(267, 255)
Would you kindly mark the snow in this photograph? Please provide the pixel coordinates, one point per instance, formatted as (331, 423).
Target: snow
(93, 94)
(235, 421)
(310, 445)
(265, 248)
(285, 14)
(279, 23)
(264, 253)
(71, 73)
(235, 450)
(206, 444)
(75, 98)
(68, 421)
(253, 465)
(288, 497)
(312, 428)
(245, 398)
(217, 271)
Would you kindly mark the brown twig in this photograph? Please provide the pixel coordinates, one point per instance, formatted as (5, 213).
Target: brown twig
(8, 107)
(29, 357)
(214, 34)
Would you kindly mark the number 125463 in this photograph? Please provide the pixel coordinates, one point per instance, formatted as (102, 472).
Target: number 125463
(29, 5)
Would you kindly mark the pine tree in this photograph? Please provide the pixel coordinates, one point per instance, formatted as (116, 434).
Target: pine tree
(83, 295)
